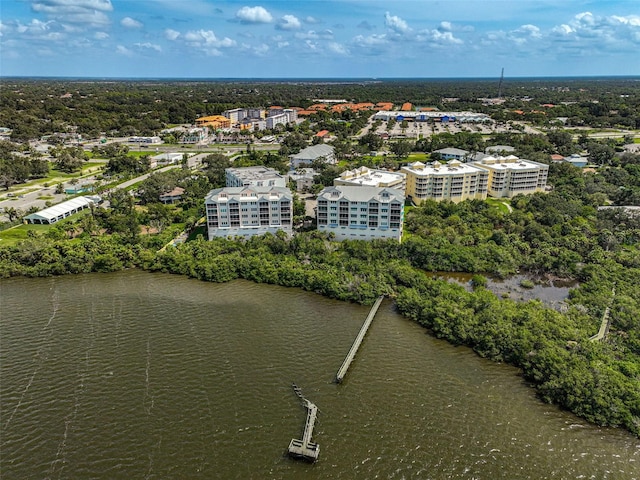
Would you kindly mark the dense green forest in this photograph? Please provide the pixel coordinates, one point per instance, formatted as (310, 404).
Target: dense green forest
(35, 108)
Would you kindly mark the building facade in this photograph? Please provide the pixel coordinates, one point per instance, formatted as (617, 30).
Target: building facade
(248, 211)
(257, 176)
(510, 176)
(361, 213)
(454, 181)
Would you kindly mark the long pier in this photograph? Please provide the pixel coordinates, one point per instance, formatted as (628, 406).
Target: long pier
(356, 343)
(305, 449)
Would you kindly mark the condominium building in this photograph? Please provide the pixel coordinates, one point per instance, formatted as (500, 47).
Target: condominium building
(258, 176)
(510, 176)
(364, 176)
(454, 181)
(361, 213)
(248, 211)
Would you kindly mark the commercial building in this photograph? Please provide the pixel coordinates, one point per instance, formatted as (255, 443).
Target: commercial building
(61, 211)
(364, 176)
(510, 176)
(435, 116)
(213, 121)
(149, 140)
(454, 181)
(308, 155)
(194, 135)
(258, 176)
(248, 211)
(361, 213)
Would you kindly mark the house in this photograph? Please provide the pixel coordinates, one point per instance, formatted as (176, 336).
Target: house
(577, 160)
(173, 196)
(452, 154)
(361, 213)
(312, 153)
(248, 211)
(258, 176)
(454, 181)
(303, 178)
(364, 176)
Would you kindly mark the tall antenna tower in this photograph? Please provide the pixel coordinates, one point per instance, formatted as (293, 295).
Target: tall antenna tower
(500, 84)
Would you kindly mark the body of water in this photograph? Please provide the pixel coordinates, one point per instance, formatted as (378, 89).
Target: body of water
(150, 376)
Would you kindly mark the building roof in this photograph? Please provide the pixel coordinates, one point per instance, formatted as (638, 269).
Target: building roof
(369, 177)
(257, 172)
(322, 133)
(62, 208)
(452, 151)
(176, 192)
(313, 152)
(362, 194)
(510, 162)
(452, 168)
(500, 148)
(224, 194)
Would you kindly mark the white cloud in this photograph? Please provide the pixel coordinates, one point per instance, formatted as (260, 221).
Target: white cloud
(289, 22)
(445, 27)
(84, 12)
(100, 35)
(171, 34)
(129, 22)
(396, 24)
(366, 25)
(254, 15)
(122, 50)
(371, 40)
(261, 50)
(150, 46)
(313, 35)
(311, 20)
(206, 38)
(338, 48)
(438, 37)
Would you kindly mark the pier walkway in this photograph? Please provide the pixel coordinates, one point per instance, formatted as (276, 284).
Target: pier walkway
(356, 343)
(305, 449)
(606, 321)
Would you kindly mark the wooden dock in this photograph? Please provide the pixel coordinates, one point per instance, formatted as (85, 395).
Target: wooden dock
(356, 343)
(305, 449)
(605, 324)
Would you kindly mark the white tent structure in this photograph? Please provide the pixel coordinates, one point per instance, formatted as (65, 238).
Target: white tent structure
(60, 211)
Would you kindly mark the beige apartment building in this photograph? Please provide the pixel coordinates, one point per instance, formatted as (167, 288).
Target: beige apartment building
(454, 181)
(510, 176)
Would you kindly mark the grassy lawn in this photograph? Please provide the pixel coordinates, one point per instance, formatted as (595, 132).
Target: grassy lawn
(418, 157)
(499, 203)
(19, 233)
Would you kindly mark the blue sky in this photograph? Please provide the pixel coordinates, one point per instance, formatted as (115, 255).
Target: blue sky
(319, 38)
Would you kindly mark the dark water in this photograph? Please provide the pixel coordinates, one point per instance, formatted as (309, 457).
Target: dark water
(149, 376)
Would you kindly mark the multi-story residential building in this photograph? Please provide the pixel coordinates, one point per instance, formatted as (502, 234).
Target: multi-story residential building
(235, 115)
(258, 176)
(361, 213)
(454, 181)
(510, 176)
(274, 120)
(367, 177)
(248, 211)
(452, 154)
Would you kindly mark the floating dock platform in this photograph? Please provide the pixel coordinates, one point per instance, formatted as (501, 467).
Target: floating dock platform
(304, 448)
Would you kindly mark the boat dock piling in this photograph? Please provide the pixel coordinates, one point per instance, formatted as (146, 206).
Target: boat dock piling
(356, 343)
(305, 449)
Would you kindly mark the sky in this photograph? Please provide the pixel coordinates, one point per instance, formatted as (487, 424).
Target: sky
(319, 38)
